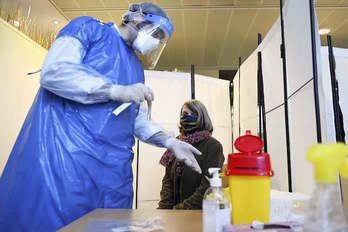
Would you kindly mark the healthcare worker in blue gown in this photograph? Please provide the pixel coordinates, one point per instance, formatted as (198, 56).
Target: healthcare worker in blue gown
(73, 154)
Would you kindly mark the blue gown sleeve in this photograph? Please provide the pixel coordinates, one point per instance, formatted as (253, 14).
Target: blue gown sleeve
(63, 72)
(145, 129)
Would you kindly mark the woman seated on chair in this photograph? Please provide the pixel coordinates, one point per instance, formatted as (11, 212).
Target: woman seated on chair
(182, 187)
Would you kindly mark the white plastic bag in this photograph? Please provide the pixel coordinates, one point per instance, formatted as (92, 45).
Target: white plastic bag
(148, 225)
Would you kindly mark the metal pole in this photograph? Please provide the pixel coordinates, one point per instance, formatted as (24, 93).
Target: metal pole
(261, 96)
(232, 106)
(259, 39)
(192, 81)
(137, 177)
(239, 65)
(334, 88)
(315, 71)
(335, 101)
(285, 89)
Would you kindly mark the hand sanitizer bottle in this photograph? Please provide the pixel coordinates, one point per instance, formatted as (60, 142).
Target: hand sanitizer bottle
(216, 205)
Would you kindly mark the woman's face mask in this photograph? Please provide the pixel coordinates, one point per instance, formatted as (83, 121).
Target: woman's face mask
(188, 123)
(145, 43)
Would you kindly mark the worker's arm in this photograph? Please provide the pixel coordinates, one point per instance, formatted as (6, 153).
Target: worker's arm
(150, 132)
(64, 73)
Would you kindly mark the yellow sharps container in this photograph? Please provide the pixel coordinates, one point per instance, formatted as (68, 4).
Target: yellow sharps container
(249, 180)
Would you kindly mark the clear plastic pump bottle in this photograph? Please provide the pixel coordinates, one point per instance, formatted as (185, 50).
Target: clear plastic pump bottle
(216, 205)
(324, 212)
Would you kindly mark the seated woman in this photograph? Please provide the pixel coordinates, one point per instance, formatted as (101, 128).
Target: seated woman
(183, 188)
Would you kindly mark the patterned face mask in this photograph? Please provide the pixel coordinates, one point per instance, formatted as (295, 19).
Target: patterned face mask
(188, 123)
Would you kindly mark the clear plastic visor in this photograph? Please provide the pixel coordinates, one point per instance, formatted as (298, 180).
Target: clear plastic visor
(138, 21)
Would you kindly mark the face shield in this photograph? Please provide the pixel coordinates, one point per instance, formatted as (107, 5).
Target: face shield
(153, 33)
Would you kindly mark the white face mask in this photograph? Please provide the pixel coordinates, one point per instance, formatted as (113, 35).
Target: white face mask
(145, 43)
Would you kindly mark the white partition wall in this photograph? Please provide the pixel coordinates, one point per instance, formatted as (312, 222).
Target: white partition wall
(302, 122)
(276, 145)
(18, 56)
(302, 116)
(301, 110)
(341, 61)
(272, 69)
(273, 89)
(235, 108)
(341, 58)
(248, 95)
(329, 123)
(325, 93)
(171, 90)
(214, 94)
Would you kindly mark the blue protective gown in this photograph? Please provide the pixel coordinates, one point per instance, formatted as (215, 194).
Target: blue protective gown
(69, 157)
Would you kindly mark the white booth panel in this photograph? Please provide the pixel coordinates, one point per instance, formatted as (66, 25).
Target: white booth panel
(297, 31)
(171, 90)
(303, 135)
(235, 110)
(215, 95)
(250, 124)
(341, 58)
(276, 148)
(272, 68)
(248, 87)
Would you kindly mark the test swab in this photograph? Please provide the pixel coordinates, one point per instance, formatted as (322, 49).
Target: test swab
(121, 108)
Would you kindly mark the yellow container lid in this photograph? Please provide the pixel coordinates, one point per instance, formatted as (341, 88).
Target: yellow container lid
(344, 169)
(327, 160)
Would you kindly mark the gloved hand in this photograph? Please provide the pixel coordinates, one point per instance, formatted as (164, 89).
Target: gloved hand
(184, 152)
(131, 93)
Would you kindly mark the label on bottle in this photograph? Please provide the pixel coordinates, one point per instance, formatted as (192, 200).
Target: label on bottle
(215, 216)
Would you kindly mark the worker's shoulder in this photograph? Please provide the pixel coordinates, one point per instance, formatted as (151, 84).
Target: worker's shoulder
(84, 20)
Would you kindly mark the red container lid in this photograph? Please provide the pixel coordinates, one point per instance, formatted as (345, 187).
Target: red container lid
(250, 162)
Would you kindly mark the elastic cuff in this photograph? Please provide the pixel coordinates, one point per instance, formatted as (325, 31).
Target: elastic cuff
(113, 92)
(168, 143)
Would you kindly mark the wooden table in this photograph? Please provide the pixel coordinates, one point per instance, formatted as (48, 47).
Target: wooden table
(174, 220)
